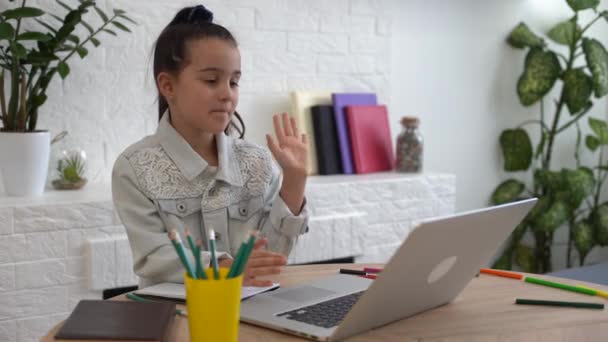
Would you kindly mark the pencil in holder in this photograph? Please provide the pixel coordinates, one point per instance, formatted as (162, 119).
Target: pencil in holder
(213, 307)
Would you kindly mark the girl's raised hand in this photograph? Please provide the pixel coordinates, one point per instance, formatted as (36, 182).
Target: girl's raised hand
(291, 148)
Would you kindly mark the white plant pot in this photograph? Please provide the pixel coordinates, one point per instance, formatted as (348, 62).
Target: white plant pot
(24, 162)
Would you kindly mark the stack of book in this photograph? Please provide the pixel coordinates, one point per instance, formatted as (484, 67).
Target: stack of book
(349, 132)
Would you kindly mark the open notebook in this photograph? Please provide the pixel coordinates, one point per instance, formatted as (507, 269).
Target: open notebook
(177, 291)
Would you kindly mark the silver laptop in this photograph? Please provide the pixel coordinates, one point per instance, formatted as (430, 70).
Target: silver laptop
(432, 266)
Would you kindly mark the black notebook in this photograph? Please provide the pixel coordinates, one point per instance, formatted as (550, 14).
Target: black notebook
(326, 139)
(118, 320)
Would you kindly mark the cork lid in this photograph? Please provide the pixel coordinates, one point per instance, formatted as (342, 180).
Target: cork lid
(410, 121)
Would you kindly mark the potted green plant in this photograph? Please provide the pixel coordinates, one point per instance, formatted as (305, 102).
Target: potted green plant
(568, 197)
(29, 60)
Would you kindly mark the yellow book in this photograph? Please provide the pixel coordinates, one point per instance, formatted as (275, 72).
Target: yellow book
(301, 101)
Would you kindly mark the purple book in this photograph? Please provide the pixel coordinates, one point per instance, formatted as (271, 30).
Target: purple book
(341, 100)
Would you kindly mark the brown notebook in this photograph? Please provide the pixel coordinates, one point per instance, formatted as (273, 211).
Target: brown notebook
(118, 320)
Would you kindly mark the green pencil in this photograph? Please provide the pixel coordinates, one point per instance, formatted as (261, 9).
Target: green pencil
(200, 273)
(247, 252)
(214, 264)
(559, 303)
(235, 262)
(179, 248)
(560, 286)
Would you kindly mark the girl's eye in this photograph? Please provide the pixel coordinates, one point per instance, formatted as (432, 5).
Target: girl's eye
(211, 81)
(234, 84)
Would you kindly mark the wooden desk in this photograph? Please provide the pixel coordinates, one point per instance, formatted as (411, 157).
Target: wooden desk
(484, 311)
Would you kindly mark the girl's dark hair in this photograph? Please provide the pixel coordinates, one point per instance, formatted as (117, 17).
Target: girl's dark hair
(170, 53)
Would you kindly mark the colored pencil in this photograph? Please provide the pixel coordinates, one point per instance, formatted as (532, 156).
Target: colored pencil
(214, 264)
(500, 273)
(179, 248)
(560, 286)
(559, 303)
(372, 270)
(200, 272)
(598, 292)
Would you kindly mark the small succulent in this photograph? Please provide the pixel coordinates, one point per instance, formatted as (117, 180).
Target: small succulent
(71, 168)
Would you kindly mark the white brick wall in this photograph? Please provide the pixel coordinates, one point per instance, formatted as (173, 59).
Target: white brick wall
(68, 246)
(286, 45)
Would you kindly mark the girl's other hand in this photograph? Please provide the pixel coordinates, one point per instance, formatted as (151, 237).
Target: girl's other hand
(262, 263)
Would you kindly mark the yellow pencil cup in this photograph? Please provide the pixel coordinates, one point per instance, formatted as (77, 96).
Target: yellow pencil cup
(213, 307)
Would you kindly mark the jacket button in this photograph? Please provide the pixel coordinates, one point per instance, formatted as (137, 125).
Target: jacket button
(243, 211)
(181, 207)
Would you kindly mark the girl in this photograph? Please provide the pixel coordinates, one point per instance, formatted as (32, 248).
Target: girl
(192, 175)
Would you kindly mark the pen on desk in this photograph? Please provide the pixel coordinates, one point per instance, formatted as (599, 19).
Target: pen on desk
(372, 270)
(353, 272)
(134, 297)
(216, 274)
(500, 273)
(598, 306)
(560, 286)
(179, 248)
(369, 276)
(200, 272)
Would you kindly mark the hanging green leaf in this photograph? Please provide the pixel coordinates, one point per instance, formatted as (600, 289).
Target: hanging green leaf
(600, 224)
(22, 12)
(582, 234)
(516, 149)
(88, 27)
(592, 142)
(541, 71)
(605, 15)
(579, 5)
(597, 61)
(600, 128)
(508, 191)
(82, 51)
(103, 16)
(564, 33)
(522, 36)
(121, 26)
(524, 257)
(18, 50)
(577, 184)
(63, 69)
(34, 36)
(109, 31)
(578, 87)
(551, 219)
(6, 31)
(95, 42)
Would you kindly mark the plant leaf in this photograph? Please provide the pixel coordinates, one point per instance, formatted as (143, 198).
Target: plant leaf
(579, 5)
(524, 257)
(109, 31)
(82, 51)
(516, 149)
(34, 36)
(521, 36)
(95, 41)
(73, 38)
(552, 218)
(6, 31)
(578, 87)
(127, 18)
(507, 191)
(18, 50)
(63, 69)
(577, 185)
(592, 142)
(22, 12)
(597, 61)
(103, 16)
(541, 71)
(600, 224)
(47, 26)
(600, 128)
(582, 234)
(88, 27)
(121, 26)
(605, 15)
(564, 33)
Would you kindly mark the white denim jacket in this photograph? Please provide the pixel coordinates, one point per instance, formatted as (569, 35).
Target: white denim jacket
(161, 183)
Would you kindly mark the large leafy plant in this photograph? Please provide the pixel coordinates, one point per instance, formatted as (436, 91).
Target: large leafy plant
(567, 197)
(32, 58)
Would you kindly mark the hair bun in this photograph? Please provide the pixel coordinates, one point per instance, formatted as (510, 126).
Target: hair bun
(193, 15)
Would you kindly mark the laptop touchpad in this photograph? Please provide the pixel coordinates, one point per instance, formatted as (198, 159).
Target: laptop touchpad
(303, 294)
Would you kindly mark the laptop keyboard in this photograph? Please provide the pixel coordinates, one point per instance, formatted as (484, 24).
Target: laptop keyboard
(325, 314)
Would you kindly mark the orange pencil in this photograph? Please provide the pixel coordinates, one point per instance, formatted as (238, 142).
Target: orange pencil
(500, 273)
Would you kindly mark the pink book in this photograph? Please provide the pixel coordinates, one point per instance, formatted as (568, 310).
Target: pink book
(370, 137)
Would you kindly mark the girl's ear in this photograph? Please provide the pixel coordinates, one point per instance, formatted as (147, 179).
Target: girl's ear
(165, 85)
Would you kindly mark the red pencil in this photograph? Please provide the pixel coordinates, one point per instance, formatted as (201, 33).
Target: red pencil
(372, 270)
(500, 273)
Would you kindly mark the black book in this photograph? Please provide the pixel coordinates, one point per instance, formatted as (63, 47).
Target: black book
(326, 139)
